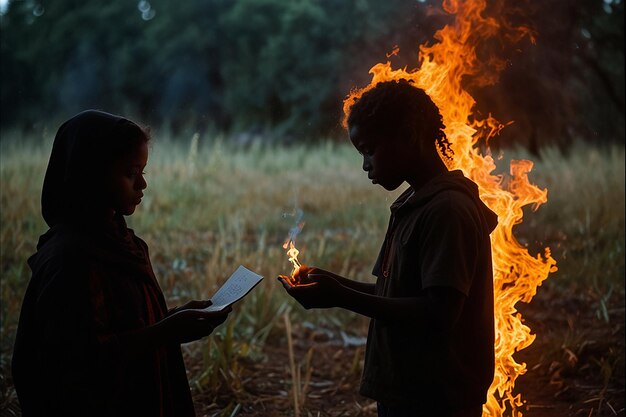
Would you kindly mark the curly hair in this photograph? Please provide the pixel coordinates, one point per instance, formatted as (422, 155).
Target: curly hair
(400, 108)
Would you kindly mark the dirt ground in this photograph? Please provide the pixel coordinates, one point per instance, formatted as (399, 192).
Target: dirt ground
(567, 369)
(575, 368)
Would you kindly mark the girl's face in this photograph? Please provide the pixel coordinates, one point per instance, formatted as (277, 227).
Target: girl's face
(126, 183)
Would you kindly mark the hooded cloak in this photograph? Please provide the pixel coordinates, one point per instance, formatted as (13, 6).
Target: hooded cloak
(91, 282)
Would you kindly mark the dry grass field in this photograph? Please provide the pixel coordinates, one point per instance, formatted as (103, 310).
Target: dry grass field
(210, 207)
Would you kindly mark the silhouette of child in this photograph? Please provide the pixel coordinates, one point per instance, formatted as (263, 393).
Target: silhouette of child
(430, 346)
(95, 337)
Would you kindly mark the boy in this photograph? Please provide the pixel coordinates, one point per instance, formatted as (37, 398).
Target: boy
(430, 346)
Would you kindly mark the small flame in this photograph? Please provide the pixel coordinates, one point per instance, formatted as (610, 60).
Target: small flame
(299, 273)
(292, 253)
(393, 52)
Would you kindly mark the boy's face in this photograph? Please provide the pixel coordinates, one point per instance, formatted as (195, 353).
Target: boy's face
(126, 182)
(385, 159)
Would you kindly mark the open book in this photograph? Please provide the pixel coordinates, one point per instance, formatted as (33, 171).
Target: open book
(234, 289)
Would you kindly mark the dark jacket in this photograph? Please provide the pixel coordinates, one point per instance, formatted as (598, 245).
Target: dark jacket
(83, 295)
(438, 236)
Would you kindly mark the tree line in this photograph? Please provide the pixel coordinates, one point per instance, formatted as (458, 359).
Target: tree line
(261, 66)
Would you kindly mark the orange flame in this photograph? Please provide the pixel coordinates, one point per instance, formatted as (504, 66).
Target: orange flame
(517, 274)
(292, 253)
(299, 273)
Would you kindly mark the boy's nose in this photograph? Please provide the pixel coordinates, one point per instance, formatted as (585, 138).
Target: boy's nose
(367, 164)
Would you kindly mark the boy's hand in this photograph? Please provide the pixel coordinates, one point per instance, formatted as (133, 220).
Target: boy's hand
(320, 291)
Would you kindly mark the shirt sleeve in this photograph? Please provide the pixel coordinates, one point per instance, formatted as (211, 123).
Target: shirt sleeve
(450, 244)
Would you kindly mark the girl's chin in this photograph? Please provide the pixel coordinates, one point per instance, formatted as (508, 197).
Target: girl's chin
(128, 210)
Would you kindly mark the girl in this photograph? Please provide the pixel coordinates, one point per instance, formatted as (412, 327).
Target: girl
(95, 337)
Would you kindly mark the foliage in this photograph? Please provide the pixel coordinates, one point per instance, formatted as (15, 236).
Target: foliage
(253, 66)
(569, 84)
(248, 64)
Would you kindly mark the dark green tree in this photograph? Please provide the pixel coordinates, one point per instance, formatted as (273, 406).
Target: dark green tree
(285, 66)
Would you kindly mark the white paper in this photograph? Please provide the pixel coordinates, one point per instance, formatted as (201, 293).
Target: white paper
(235, 288)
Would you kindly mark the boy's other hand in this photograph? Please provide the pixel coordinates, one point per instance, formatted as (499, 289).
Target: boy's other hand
(316, 273)
(320, 291)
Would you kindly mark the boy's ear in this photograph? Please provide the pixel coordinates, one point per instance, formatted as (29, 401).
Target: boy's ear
(423, 147)
(407, 136)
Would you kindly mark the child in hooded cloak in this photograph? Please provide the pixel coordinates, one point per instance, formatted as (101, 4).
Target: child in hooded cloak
(95, 337)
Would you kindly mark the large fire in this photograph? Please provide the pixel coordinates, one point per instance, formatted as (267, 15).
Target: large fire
(517, 274)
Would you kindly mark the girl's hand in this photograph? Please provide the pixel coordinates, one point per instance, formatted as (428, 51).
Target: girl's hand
(191, 305)
(187, 325)
(320, 291)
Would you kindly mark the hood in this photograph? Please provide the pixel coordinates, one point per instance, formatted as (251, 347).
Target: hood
(448, 181)
(80, 148)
